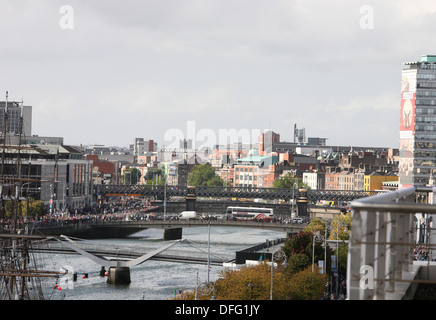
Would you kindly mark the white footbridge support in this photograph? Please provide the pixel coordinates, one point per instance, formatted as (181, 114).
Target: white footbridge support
(119, 270)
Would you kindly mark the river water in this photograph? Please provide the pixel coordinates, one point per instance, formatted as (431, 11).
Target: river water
(156, 280)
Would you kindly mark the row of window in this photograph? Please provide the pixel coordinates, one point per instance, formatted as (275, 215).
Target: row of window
(426, 76)
(428, 102)
(425, 110)
(427, 66)
(426, 127)
(423, 171)
(425, 145)
(246, 177)
(426, 85)
(245, 169)
(424, 163)
(425, 154)
(425, 119)
(425, 136)
(426, 93)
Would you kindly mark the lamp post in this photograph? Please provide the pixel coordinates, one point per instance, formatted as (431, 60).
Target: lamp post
(339, 224)
(281, 254)
(165, 199)
(293, 196)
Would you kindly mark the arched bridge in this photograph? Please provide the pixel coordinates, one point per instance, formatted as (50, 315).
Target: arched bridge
(228, 192)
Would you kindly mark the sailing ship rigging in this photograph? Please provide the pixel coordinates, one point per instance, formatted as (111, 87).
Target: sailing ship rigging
(22, 274)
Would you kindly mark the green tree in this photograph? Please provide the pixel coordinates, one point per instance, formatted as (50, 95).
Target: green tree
(153, 172)
(298, 262)
(301, 244)
(204, 175)
(247, 283)
(288, 181)
(316, 224)
(306, 285)
(340, 227)
(36, 207)
(131, 176)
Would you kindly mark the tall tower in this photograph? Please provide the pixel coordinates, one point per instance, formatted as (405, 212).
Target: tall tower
(418, 122)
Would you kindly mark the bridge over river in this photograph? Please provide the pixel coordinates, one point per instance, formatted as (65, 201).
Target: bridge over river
(101, 190)
(95, 228)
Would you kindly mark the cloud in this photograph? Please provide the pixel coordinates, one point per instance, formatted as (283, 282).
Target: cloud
(221, 63)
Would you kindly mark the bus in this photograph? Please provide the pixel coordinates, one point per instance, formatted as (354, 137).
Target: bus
(250, 214)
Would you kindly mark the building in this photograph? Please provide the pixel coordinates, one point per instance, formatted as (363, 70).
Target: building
(314, 179)
(417, 160)
(374, 181)
(59, 176)
(266, 142)
(143, 147)
(104, 172)
(331, 179)
(16, 110)
(255, 170)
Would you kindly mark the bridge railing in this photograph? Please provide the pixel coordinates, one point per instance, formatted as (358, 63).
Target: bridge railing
(385, 230)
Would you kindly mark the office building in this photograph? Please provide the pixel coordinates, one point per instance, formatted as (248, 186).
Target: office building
(14, 112)
(417, 162)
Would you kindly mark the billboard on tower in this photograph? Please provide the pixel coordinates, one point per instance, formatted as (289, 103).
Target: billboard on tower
(407, 127)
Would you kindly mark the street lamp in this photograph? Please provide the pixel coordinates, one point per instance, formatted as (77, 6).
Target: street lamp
(280, 255)
(339, 224)
(293, 196)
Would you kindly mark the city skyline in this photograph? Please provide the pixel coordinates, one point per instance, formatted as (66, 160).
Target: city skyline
(105, 73)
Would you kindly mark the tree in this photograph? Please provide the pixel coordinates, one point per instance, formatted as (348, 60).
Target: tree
(152, 172)
(254, 283)
(248, 283)
(204, 175)
(36, 207)
(301, 244)
(131, 176)
(306, 285)
(298, 262)
(316, 224)
(340, 227)
(288, 181)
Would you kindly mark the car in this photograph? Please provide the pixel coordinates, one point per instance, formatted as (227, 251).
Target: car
(297, 220)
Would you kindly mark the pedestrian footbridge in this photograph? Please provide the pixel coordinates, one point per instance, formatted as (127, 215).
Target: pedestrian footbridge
(119, 259)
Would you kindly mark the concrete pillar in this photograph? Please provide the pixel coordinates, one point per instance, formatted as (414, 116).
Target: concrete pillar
(172, 234)
(190, 199)
(302, 203)
(119, 275)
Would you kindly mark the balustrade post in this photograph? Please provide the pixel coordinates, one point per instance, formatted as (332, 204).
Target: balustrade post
(405, 239)
(368, 252)
(390, 253)
(380, 256)
(354, 257)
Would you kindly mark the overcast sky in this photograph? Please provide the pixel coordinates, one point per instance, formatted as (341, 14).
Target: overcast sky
(124, 69)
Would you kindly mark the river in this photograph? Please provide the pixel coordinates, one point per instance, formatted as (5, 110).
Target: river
(156, 280)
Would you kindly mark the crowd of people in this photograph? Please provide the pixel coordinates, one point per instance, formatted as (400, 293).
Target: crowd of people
(83, 215)
(420, 253)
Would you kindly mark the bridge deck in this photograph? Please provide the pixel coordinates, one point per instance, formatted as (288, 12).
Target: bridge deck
(168, 224)
(128, 253)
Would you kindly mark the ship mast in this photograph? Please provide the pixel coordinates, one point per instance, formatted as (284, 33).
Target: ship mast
(19, 274)
(5, 123)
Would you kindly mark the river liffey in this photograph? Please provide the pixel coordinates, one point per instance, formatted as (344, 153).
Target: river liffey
(156, 280)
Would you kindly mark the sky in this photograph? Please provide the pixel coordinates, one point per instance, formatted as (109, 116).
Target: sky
(106, 72)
